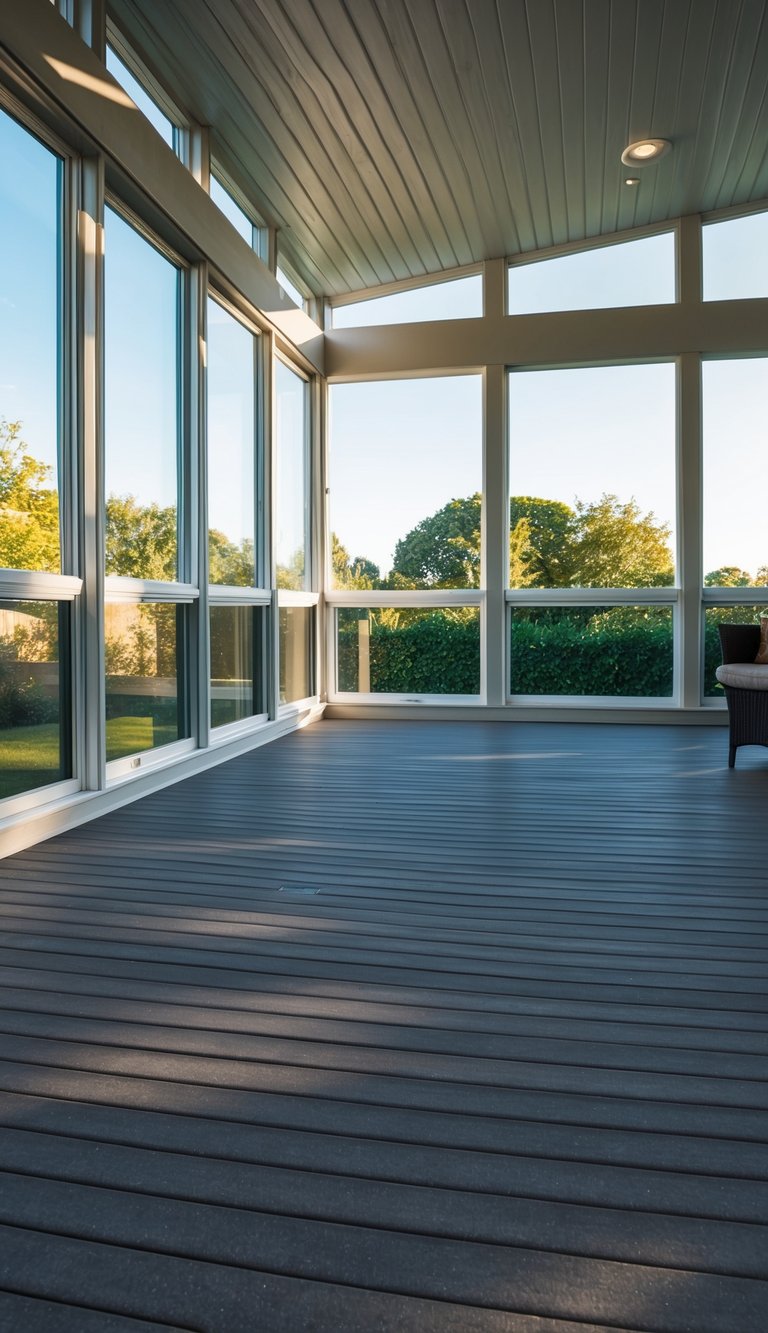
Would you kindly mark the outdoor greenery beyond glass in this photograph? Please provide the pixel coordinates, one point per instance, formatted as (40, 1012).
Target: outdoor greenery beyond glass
(138, 93)
(640, 272)
(142, 653)
(460, 298)
(734, 257)
(291, 467)
(723, 615)
(236, 680)
(30, 245)
(34, 705)
(296, 634)
(231, 448)
(409, 651)
(405, 479)
(141, 405)
(592, 650)
(592, 475)
(735, 468)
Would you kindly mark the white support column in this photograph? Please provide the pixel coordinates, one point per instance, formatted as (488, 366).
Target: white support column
(89, 337)
(689, 540)
(689, 636)
(197, 355)
(270, 467)
(495, 526)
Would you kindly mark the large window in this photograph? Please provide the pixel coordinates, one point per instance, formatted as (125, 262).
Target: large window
(292, 478)
(408, 651)
(238, 677)
(735, 258)
(592, 475)
(142, 410)
(139, 94)
(636, 272)
(735, 472)
(231, 449)
(405, 481)
(459, 298)
(146, 628)
(30, 246)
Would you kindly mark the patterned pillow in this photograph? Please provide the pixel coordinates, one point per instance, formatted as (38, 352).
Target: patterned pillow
(762, 652)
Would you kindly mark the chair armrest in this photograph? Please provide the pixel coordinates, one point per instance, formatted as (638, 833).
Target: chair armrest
(739, 643)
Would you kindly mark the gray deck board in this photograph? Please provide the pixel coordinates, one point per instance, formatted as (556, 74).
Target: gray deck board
(506, 1070)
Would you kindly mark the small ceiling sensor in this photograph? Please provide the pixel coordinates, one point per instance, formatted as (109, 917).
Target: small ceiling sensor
(631, 180)
(644, 150)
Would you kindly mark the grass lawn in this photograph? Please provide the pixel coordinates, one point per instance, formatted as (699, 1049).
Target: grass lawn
(131, 735)
(29, 757)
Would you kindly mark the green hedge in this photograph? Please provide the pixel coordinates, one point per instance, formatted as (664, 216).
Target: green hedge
(580, 651)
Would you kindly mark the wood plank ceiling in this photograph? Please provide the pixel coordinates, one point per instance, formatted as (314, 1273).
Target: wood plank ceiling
(392, 138)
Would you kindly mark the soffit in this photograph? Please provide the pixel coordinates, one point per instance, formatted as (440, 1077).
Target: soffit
(387, 139)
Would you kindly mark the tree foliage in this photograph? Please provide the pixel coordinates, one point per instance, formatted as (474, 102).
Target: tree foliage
(352, 571)
(29, 506)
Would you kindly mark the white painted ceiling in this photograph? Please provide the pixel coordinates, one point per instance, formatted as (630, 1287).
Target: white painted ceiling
(392, 138)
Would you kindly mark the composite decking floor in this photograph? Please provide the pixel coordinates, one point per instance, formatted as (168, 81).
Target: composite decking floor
(435, 1027)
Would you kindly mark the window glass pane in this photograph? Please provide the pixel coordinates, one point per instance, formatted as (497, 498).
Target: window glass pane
(142, 405)
(138, 93)
(461, 298)
(723, 615)
(405, 473)
(237, 685)
(35, 746)
(396, 650)
(224, 201)
(290, 288)
(143, 648)
(30, 219)
(231, 445)
(592, 472)
(630, 273)
(735, 258)
(292, 506)
(735, 472)
(297, 628)
(593, 650)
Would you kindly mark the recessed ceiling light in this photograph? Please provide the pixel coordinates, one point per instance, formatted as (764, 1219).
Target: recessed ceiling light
(644, 150)
(632, 180)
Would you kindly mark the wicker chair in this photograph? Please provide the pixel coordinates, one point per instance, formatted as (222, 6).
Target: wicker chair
(747, 701)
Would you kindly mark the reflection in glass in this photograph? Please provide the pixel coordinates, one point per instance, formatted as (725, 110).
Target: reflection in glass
(297, 629)
(723, 615)
(638, 272)
(404, 651)
(30, 210)
(405, 477)
(292, 478)
(231, 500)
(592, 650)
(735, 465)
(236, 663)
(592, 475)
(141, 405)
(734, 255)
(143, 647)
(35, 746)
(459, 298)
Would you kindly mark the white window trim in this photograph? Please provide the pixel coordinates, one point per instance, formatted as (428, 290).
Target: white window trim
(131, 765)
(221, 594)
(426, 597)
(36, 586)
(121, 589)
(593, 596)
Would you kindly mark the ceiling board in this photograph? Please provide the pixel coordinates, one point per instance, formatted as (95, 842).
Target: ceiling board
(393, 138)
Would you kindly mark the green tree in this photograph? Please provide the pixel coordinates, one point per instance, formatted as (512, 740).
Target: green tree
(618, 546)
(229, 563)
(141, 539)
(352, 571)
(442, 551)
(29, 506)
(728, 576)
